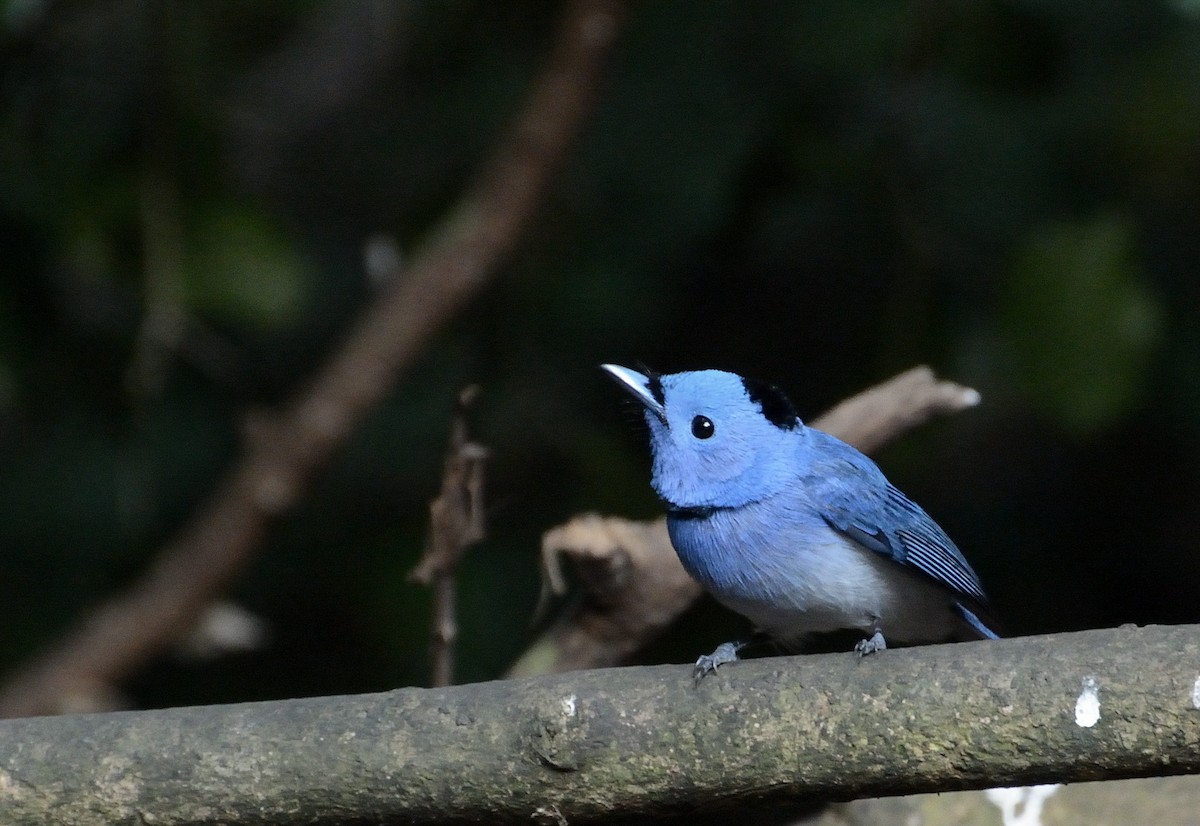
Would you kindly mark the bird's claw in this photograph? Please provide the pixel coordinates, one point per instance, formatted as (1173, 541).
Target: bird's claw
(870, 646)
(727, 652)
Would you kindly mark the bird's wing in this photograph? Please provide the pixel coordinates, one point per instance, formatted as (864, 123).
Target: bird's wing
(855, 499)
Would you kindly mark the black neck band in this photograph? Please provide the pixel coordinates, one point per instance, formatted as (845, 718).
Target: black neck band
(691, 513)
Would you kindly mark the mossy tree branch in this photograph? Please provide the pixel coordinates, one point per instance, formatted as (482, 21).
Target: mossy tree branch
(755, 741)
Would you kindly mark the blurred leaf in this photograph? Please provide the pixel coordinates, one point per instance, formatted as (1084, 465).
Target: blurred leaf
(1154, 106)
(1082, 321)
(242, 267)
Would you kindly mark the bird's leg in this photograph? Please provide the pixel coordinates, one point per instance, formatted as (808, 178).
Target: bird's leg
(874, 643)
(727, 652)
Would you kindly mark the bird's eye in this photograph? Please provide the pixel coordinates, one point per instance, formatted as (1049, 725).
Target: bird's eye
(702, 427)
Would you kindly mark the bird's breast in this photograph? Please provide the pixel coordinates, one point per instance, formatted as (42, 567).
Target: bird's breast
(789, 573)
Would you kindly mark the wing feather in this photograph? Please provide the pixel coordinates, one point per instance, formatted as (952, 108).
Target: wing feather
(855, 498)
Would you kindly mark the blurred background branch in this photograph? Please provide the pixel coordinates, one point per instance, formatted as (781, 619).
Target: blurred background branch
(333, 55)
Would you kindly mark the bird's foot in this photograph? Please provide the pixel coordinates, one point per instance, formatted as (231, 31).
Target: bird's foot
(869, 646)
(727, 652)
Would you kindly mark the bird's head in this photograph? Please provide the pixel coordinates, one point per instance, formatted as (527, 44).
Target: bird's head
(718, 440)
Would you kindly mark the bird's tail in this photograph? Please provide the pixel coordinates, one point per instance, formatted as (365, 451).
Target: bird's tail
(975, 622)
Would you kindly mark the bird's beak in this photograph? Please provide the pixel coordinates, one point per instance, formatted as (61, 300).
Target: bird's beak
(639, 386)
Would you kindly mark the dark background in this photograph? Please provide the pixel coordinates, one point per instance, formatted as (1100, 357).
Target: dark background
(819, 194)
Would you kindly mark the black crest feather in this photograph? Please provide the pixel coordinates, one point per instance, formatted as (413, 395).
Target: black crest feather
(654, 385)
(776, 407)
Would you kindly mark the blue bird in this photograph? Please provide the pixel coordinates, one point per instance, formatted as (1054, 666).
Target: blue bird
(793, 528)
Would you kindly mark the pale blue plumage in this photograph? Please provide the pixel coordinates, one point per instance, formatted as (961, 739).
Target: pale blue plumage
(792, 527)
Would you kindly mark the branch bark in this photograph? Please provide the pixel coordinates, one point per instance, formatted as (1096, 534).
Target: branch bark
(289, 448)
(752, 742)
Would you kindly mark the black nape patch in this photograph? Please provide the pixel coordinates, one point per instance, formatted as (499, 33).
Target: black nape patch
(654, 385)
(775, 405)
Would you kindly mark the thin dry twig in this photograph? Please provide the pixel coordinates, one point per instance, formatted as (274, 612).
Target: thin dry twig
(121, 635)
(634, 585)
(455, 523)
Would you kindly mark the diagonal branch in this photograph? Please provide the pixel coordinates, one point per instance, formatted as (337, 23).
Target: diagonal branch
(878, 415)
(288, 449)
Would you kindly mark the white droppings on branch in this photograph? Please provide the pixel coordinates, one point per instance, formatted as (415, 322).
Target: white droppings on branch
(1196, 693)
(1087, 705)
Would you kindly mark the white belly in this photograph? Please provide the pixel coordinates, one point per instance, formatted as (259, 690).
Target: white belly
(840, 585)
(810, 579)
(841, 588)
